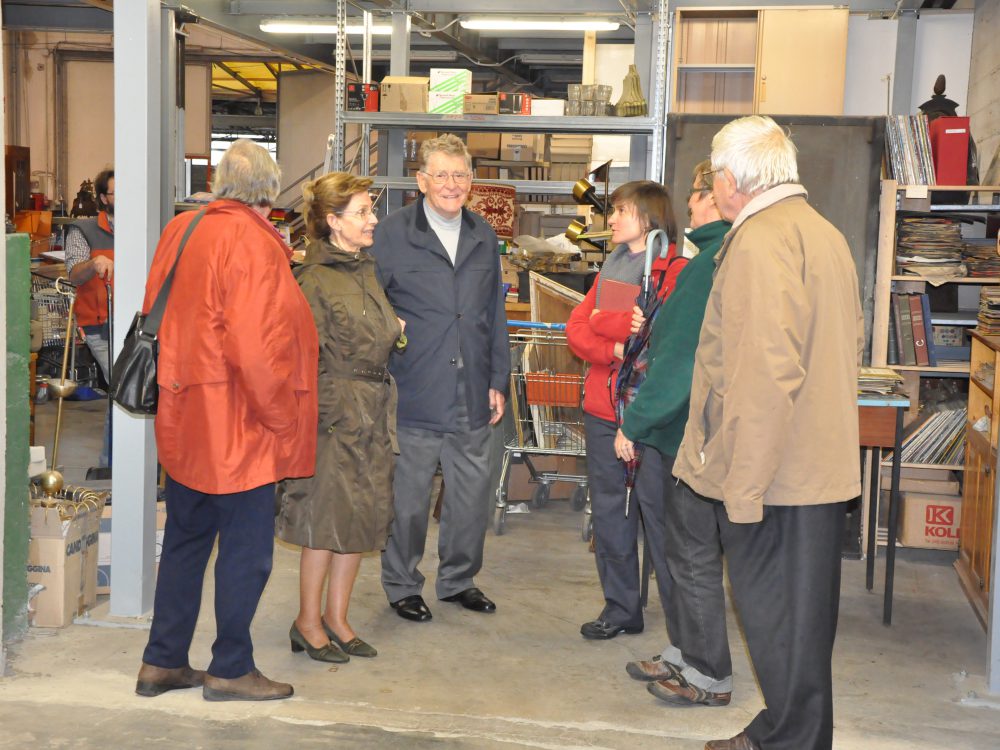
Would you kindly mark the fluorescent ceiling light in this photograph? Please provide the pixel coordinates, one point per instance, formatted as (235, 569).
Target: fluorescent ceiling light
(509, 23)
(318, 26)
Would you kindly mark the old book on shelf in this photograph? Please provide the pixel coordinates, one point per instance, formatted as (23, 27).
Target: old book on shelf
(919, 335)
(907, 354)
(925, 307)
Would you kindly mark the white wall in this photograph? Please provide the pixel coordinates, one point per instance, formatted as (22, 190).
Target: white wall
(943, 45)
(871, 56)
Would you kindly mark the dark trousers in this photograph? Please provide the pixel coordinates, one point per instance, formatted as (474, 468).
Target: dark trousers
(785, 576)
(616, 537)
(696, 615)
(244, 524)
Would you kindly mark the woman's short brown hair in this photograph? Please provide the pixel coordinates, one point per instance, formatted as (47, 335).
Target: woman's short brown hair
(703, 175)
(652, 204)
(329, 194)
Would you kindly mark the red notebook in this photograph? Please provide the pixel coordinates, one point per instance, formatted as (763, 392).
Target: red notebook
(616, 295)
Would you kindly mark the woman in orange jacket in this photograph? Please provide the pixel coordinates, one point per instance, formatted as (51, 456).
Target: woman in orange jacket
(596, 332)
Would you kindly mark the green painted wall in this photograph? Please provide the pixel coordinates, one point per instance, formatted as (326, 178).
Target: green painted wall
(15, 537)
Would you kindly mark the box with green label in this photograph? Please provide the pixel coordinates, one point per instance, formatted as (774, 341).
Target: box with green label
(448, 87)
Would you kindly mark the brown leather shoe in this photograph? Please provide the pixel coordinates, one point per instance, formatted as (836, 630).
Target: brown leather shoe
(253, 686)
(678, 692)
(158, 680)
(653, 670)
(739, 742)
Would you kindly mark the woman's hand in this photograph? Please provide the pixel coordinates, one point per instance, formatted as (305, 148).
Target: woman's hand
(637, 319)
(624, 448)
(619, 350)
(402, 325)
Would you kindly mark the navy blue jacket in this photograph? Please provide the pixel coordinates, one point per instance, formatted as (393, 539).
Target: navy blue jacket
(449, 311)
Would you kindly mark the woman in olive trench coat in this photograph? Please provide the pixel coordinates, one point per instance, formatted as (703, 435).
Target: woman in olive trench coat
(345, 508)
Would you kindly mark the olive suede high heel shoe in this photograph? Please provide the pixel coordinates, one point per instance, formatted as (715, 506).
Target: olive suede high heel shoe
(331, 652)
(354, 647)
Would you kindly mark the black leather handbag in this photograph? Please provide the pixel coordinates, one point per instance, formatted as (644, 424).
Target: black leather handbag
(133, 376)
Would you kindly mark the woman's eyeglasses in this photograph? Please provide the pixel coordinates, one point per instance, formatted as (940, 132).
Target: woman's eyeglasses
(361, 213)
(441, 178)
(698, 191)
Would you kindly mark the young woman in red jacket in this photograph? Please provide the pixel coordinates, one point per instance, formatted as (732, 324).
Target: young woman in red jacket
(596, 332)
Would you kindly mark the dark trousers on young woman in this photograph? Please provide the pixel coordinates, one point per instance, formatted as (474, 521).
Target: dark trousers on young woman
(785, 576)
(615, 535)
(244, 524)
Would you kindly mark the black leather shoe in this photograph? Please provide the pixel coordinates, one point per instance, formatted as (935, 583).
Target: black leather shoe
(473, 599)
(599, 630)
(412, 608)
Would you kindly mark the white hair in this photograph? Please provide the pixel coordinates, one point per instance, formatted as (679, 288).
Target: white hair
(247, 173)
(757, 153)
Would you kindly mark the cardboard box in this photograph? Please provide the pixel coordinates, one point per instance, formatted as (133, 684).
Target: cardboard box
(362, 97)
(104, 545)
(522, 146)
(919, 472)
(570, 148)
(569, 171)
(514, 104)
(445, 103)
(930, 521)
(484, 145)
(451, 80)
(404, 94)
(61, 557)
(480, 104)
(547, 107)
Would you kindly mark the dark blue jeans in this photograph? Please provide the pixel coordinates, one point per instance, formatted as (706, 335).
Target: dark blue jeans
(244, 524)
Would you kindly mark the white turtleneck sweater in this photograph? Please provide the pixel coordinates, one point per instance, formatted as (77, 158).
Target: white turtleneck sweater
(446, 229)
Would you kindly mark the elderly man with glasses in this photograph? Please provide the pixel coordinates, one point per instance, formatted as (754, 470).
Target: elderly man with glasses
(439, 266)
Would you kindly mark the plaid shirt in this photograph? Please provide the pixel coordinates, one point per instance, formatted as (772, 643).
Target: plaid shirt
(76, 247)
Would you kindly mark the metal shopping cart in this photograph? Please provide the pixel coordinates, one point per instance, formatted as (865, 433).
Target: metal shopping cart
(546, 415)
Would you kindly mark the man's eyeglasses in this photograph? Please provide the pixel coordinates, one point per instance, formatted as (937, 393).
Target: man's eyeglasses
(441, 178)
(361, 213)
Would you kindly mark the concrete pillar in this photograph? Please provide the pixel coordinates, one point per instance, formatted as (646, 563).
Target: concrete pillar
(902, 76)
(138, 147)
(14, 518)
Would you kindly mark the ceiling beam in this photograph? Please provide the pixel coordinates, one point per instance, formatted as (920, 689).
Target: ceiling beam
(249, 86)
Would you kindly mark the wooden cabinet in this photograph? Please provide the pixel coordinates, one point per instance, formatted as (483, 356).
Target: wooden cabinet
(770, 61)
(978, 496)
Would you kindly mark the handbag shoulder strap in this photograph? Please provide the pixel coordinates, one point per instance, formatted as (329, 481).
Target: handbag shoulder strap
(152, 322)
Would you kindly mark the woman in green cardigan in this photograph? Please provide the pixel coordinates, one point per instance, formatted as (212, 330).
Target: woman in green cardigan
(695, 668)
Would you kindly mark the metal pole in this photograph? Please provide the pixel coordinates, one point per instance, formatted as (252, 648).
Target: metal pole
(341, 84)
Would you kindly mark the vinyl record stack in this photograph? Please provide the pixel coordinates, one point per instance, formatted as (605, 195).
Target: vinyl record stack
(908, 150)
(930, 246)
(989, 311)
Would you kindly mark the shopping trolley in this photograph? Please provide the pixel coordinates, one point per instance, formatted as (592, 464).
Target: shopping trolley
(546, 414)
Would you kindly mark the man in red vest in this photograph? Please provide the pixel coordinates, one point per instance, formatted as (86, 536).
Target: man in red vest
(90, 262)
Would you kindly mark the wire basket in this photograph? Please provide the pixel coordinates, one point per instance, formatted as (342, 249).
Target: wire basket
(51, 308)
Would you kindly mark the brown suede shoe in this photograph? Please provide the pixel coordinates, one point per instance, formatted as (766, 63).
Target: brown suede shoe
(739, 742)
(653, 670)
(253, 686)
(678, 692)
(157, 680)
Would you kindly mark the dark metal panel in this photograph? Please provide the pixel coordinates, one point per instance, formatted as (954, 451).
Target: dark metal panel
(839, 161)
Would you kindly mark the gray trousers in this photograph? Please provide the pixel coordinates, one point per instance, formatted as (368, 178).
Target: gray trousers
(100, 348)
(696, 615)
(465, 509)
(616, 538)
(785, 575)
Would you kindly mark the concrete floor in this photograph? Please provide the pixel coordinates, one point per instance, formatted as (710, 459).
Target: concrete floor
(522, 677)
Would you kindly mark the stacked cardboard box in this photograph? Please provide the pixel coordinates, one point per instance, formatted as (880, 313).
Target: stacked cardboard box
(62, 557)
(404, 94)
(448, 87)
(569, 155)
(931, 507)
(522, 147)
(484, 145)
(103, 567)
